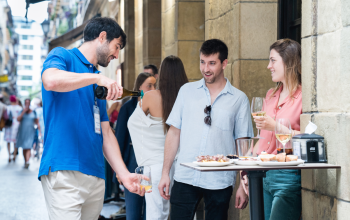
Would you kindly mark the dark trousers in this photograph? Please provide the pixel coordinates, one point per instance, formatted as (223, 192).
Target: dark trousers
(184, 200)
(135, 206)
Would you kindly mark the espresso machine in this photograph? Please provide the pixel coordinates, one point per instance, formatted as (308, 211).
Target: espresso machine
(310, 148)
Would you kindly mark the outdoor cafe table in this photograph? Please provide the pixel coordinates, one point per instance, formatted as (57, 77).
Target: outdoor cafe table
(255, 176)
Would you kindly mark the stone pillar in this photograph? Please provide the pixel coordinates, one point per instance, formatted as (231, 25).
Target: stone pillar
(248, 28)
(183, 32)
(129, 50)
(147, 33)
(325, 82)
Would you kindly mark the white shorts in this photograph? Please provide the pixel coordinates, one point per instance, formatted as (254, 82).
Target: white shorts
(72, 195)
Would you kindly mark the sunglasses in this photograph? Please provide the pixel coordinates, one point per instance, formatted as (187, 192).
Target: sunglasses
(207, 119)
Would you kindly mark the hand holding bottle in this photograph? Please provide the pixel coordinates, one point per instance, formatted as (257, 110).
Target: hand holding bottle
(114, 90)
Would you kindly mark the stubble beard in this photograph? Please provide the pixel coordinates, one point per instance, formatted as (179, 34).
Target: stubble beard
(102, 55)
(211, 80)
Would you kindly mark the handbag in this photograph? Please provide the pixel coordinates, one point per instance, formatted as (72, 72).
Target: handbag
(3, 119)
(9, 120)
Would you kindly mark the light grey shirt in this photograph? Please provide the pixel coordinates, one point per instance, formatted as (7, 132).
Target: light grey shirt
(231, 120)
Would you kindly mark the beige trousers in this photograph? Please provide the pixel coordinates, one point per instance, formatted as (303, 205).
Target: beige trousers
(72, 195)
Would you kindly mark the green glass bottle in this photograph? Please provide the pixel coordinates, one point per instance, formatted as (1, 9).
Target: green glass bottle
(101, 93)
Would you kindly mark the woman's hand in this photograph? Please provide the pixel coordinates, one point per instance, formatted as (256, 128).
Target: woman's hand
(265, 123)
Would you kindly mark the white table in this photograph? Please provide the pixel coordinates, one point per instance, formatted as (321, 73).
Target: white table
(255, 175)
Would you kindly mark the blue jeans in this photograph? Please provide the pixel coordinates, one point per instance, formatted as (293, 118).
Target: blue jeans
(134, 205)
(282, 195)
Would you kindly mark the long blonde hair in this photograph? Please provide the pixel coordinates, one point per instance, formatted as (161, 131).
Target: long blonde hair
(290, 51)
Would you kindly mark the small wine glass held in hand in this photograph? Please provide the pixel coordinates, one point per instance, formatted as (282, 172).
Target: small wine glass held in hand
(257, 110)
(283, 134)
(145, 171)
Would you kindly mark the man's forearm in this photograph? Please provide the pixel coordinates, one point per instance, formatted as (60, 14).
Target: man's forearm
(112, 152)
(63, 81)
(172, 142)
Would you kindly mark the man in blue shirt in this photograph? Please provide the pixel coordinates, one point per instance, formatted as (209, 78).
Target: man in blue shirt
(206, 119)
(77, 131)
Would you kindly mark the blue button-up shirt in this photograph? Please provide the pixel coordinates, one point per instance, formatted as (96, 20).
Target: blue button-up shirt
(231, 120)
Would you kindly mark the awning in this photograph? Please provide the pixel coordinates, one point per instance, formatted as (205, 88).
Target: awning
(68, 38)
(31, 2)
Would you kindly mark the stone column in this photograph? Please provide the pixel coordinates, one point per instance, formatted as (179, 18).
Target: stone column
(129, 50)
(325, 82)
(248, 28)
(147, 33)
(183, 32)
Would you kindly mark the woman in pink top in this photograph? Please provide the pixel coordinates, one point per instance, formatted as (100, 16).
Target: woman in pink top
(282, 188)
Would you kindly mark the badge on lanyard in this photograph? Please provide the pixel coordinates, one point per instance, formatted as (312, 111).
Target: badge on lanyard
(97, 119)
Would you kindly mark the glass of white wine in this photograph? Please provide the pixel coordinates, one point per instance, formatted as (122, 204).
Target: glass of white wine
(145, 171)
(283, 134)
(257, 110)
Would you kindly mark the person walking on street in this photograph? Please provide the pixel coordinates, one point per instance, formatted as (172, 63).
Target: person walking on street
(26, 131)
(78, 135)
(149, 120)
(207, 117)
(11, 132)
(135, 208)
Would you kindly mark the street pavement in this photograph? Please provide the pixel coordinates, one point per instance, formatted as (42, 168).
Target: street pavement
(21, 195)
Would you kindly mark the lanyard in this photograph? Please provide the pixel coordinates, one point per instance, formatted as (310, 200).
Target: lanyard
(93, 87)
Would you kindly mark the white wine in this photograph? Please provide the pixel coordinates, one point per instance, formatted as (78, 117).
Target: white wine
(101, 93)
(146, 187)
(261, 113)
(283, 138)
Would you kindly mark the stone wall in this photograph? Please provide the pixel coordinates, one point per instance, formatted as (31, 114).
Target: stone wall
(183, 33)
(129, 50)
(147, 33)
(248, 28)
(326, 79)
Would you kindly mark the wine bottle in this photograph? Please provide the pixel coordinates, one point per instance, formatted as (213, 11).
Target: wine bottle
(101, 93)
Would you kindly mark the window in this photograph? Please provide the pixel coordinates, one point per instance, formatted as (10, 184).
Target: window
(26, 88)
(26, 77)
(25, 26)
(27, 57)
(289, 19)
(25, 67)
(27, 47)
(27, 37)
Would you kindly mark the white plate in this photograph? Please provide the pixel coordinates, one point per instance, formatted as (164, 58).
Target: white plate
(290, 163)
(213, 164)
(247, 163)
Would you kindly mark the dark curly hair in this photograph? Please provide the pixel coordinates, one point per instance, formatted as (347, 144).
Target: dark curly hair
(96, 25)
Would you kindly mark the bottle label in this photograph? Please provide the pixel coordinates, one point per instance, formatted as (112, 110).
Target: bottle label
(97, 120)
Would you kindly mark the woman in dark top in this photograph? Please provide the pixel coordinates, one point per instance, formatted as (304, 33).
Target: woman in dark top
(133, 202)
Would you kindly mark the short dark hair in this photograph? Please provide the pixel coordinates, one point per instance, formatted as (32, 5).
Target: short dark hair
(96, 25)
(152, 67)
(141, 78)
(214, 46)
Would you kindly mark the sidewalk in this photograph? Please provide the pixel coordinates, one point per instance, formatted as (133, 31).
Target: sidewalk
(21, 195)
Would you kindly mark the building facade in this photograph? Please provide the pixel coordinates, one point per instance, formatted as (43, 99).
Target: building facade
(158, 28)
(29, 59)
(8, 52)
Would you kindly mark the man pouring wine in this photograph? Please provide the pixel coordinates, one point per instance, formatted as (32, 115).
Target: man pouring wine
(77, 131)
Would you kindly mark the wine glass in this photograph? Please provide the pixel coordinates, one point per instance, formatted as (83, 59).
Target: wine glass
(145, 171)
(283, 133)
(257, 110)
